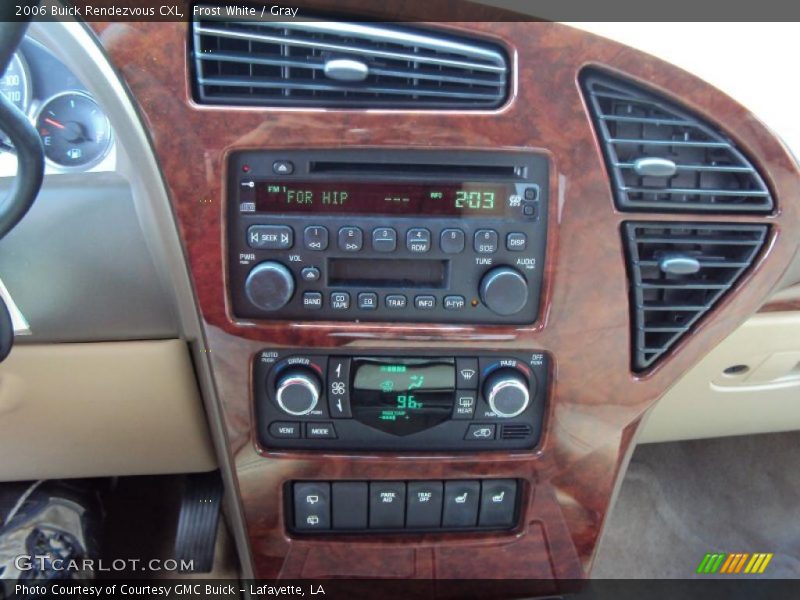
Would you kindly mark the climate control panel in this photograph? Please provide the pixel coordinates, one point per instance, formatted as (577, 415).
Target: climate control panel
(386, 401)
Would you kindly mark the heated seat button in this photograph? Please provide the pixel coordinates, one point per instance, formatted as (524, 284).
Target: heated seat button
(387, 504)
(461, 503)
(349, 500)
(312, 505)
(282, 429)
(270, 237)
(320, 431)
(498, 501)
(424, 504)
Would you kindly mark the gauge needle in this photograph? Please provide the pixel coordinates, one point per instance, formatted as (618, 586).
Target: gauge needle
(54, 123)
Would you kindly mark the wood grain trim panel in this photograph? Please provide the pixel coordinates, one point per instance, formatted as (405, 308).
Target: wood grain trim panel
(596, 401)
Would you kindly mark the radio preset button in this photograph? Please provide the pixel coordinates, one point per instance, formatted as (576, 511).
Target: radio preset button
(270, 237)
(312, 300)
(315, 237)
(465, 404)
(368, 301)
(486, 241)
(454, 302)
(395, 301)
(282, 429)
(516, 241)
(351, 239)
(340, 300)
(418, 240)
(310, 274)
(384, 239)
(452, 241)
(425, 302)
(320, 431)
(467, 373)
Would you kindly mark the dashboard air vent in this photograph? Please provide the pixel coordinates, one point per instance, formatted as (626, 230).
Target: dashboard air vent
(661, 157)
(677, 272)
(337, 64)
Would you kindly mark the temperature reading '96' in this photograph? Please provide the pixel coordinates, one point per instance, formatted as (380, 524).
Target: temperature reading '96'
(475, 200)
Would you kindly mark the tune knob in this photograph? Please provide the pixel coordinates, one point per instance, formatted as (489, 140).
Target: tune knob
(504, 290)
(269, 285)
(506, 392)
(297, 391)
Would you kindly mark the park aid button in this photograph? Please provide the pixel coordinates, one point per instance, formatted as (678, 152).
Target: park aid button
(424, 504)
(312, 505)
(498, 502)
(387, 504)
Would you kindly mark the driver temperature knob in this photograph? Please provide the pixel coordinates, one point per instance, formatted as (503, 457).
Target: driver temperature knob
(269, 285)
(506, 391)
(297, 391)
(504, 291)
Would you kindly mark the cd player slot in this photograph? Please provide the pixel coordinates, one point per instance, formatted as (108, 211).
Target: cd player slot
(474, 171)
(385, 273)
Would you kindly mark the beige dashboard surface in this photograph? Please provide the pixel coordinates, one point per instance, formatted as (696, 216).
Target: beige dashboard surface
(101, 409)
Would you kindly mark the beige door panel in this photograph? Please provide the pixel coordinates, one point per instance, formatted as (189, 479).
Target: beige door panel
(748, 384)
(101, 409)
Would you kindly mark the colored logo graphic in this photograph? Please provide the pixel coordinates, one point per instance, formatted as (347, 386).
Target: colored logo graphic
(734, 563)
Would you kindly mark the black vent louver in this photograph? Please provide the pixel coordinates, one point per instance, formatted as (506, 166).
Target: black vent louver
(338, 64)
(661, 157)
(677, 272)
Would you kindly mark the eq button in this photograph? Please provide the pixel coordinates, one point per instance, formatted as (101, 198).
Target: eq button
(368, 301)
(418, 240)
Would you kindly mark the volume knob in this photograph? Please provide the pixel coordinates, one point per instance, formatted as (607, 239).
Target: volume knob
(297, 391)
(506, 392)
(504, 291)
(269, 285)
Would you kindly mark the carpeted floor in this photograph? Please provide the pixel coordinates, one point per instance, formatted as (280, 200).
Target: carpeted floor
(681, 500)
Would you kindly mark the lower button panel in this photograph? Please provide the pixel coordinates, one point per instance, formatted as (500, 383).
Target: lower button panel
(402, 506)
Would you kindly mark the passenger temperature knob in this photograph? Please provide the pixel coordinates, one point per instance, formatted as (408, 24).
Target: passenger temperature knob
(504, 291)
(269, 285)
(506, 391)
(297, 391)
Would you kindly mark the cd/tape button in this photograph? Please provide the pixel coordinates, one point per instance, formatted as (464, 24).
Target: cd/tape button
(270, 237)
(340, 300)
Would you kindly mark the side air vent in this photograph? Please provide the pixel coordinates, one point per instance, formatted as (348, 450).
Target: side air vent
(677, 272)
(336, 64)
(663, 158)
(515, 432)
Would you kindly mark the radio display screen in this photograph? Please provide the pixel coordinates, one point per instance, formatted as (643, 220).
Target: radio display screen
(376, 198)
(402, 396)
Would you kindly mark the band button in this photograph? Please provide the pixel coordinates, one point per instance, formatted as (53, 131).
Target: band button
(395, 301)
(312, 300)
(454, 302)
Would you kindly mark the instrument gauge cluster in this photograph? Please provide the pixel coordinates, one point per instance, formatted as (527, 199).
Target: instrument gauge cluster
(75, 132)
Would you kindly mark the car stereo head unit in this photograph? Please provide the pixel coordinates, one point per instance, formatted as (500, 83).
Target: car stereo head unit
(428, 236)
